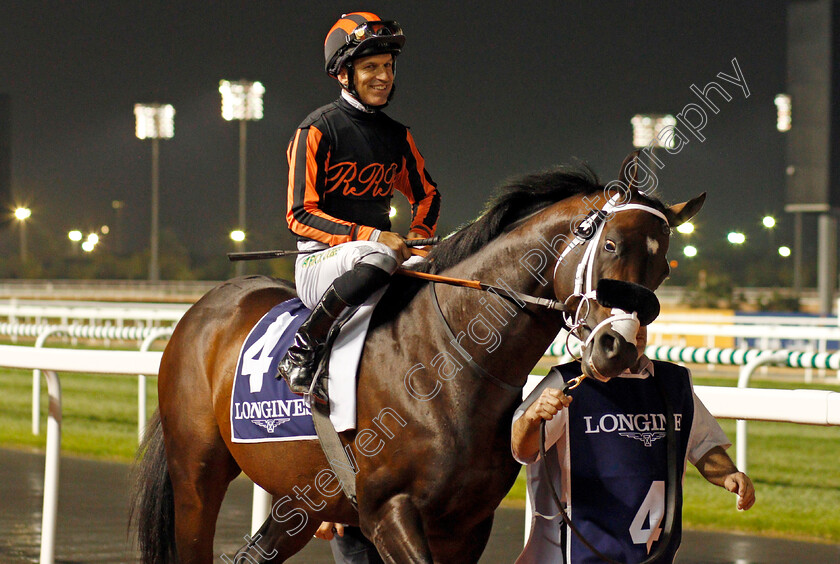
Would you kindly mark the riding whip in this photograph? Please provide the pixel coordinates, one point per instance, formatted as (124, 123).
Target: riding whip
(262, 255)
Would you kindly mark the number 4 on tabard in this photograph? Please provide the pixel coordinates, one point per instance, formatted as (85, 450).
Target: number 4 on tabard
(650, 513)
(256, 367)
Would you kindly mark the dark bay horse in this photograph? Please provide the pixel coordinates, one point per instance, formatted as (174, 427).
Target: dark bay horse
(432, 445)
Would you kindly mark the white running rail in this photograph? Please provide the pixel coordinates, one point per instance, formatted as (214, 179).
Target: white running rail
(797, 406)
(51, 361)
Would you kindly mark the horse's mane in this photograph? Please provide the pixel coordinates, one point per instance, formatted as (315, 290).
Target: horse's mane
(513, 201)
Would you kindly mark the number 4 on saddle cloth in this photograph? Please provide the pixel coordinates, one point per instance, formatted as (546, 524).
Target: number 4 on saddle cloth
(262, 408)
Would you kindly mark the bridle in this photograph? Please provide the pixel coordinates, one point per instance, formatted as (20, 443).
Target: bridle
(591, 229)
(590, 233)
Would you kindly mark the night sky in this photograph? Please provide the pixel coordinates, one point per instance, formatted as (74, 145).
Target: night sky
(490, 89)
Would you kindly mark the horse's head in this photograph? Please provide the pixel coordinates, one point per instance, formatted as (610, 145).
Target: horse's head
(617, 256)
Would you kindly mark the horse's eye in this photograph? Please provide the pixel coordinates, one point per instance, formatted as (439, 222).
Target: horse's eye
(610, 246)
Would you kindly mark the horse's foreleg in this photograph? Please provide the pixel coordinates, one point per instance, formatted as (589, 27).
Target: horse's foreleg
(397, 532)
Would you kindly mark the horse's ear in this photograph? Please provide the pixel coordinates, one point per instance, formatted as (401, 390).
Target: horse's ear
(629, 173)
(680, 213)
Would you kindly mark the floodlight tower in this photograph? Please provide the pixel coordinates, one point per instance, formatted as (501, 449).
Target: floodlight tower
(647, 133)
(22, 214)
(242, 101)
(647, 130)
(155, 122)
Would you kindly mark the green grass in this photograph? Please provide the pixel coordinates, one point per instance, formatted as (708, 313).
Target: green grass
(797, 480)
(795, 468)
(99, 413)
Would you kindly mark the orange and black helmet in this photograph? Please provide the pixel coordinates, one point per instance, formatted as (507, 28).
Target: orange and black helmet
(360, 34)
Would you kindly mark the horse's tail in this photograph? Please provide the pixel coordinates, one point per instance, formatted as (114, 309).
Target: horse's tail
(152, 506)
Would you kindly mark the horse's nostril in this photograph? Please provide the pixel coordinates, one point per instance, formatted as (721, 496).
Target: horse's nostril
(610, 345)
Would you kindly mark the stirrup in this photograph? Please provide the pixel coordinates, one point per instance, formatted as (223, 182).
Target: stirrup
(302, 386)
(318, 389)
(314, 390)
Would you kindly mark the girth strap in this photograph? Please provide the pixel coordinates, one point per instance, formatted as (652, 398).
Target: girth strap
(476, 368)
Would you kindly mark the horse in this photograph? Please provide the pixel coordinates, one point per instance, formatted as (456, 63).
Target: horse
(436, 392)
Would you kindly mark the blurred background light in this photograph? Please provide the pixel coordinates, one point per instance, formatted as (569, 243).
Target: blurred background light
(686, 228)
(736, 238)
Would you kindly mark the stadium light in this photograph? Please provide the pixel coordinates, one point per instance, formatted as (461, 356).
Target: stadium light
(783, 112)
(237, 235)
(22, 214)
(242, 101)
(769, 221)
(647, 130)
(690, 251)
(155, 122)
(392, 212)
(784, 251)
(75, 235)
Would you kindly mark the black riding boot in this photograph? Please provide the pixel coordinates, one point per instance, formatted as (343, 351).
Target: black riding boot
(350, 290)
(301, 361)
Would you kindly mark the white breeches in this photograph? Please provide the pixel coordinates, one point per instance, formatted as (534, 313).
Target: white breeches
(315, 272)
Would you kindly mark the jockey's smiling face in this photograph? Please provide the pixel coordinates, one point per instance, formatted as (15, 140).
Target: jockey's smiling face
(374, 77)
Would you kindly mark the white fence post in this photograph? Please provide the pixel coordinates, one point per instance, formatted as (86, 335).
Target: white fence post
(141, 380)
(743, 382)
(36, 379)
(49, 361)
(51, 469)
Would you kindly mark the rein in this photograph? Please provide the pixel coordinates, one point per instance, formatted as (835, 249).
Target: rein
(517, 297)
(589, 231)
(472, 364)
(262, 255)
(670, 482)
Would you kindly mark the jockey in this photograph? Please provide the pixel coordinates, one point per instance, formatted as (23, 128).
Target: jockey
(345, 161)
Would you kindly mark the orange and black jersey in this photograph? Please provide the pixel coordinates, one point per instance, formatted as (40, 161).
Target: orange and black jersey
(344, 165)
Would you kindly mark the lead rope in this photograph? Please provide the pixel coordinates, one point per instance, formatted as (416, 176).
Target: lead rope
(670, 483)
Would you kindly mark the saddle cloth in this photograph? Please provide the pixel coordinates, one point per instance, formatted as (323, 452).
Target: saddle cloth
(262, 408)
